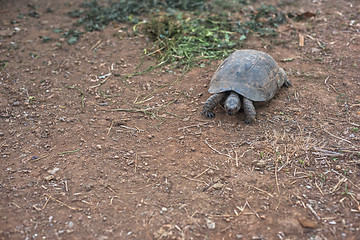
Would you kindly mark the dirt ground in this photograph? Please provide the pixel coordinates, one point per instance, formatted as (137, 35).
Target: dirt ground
(71, 168)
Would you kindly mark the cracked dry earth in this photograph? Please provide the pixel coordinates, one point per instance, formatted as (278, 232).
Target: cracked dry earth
(73, 168)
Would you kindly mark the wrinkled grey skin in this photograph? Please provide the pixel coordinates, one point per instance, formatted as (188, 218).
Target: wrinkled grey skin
(232, 105)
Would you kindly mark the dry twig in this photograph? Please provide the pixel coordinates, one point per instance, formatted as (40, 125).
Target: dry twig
(313, 211)
(55, 199)
(217, 150)
(263, 191)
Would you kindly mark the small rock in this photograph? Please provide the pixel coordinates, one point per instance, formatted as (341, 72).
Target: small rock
(239, 236)
(186, 119)
(88, 187)
(260, 163)
(218, 186)
(99, 147)
(35, 206)
(70, 224)
(164, 209)
(181, 137)
(307, 223)
(358, 196)
(210, 224)
(150, 136)
(16, 103)
(53, 171)
(1, 134)
(49, 177)
(210, 172)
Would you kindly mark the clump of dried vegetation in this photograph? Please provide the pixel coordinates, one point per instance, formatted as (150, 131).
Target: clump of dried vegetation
(183, 32)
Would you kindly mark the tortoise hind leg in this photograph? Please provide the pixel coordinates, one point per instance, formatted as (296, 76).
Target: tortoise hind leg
(210, 104)
(249, 110)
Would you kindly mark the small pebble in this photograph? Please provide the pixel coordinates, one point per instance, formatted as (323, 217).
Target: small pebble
(53, 171)
(99, 147)
(217, 186)
(307, 223)
(210, 224)
(49, 177)
(164, 209)
(17, 103)
(358, 196)
(260, 163)
(70, 224)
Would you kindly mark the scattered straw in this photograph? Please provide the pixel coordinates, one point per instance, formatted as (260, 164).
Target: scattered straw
(95, 45)
(56, 200)
(260, 190)
(192, 215)
(256, 214)
(276, 176)
(191, 126)
(196, 180)
(335, 188)
(340, 138)
(68, 152)
(313, 211)
(319, 188)
(345, 178)
(202, 172)
(224, 154)
(111, 125)
(328, 85)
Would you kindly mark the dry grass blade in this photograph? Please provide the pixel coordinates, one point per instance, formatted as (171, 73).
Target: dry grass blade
(56, 200)
(323, 152)
(224, 154)
(335, 188)
(260, 190)
(313, 211)
(196, 180)
(340, 138)
(191, 126)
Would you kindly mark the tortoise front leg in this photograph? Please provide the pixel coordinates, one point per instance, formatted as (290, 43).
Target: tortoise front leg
(249, 110)
(210, 104)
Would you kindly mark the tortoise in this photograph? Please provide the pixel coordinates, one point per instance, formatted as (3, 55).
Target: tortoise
(246, 76)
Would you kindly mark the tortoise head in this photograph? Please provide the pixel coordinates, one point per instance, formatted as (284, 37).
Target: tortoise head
(232, 103)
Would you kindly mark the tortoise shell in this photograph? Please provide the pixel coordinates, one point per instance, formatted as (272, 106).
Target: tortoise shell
(250, 73)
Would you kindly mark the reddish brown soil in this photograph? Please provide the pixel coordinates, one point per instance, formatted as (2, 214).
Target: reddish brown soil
(293, 174)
